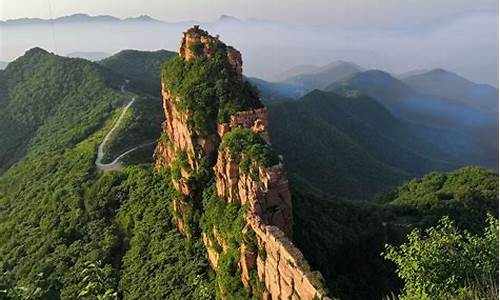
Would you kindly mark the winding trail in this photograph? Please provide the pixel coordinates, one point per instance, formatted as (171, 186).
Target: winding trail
(115, 164)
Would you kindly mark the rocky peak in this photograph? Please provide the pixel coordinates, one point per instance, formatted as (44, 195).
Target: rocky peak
(197, 42)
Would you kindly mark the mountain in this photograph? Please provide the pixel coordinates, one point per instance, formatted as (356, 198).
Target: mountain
(344, 239)
(60, 212)
(227, 18)
(67, 225)
(448, 85)
(455, 127)
(142, 68)
(3, 65)
(404, 75)
(143, 18)
(271, 92)
(342, 145)
(23, 113)
(233, 192)
(74, 19)
(297, 70)
(321, 77)
(466, 195)
(405, 102)
(92, 56)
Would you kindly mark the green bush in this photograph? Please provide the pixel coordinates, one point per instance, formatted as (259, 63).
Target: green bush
(444, 262)
(254, 151)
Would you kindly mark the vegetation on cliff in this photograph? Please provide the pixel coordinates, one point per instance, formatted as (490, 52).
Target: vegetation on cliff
(251, 148)
(223, 223)
(208, 88)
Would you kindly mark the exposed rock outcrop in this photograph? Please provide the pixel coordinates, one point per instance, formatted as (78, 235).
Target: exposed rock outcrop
(196, 42)
(271, 267)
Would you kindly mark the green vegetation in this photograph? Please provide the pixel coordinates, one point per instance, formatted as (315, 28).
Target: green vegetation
(142, 68)
(446, 263)
(343, 239)
(254, 151)
(139, 126)
(58, 212)
(466, 195)
(97, 283)
(349, 147)
(52, 102)
(209, 89)
(228, 221)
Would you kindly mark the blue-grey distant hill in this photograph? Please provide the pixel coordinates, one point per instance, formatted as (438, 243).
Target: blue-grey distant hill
(448, 85)
(76, 18)
(320, 78)
(458, 125)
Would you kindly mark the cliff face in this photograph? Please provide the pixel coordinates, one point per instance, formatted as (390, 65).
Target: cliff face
(250, 185)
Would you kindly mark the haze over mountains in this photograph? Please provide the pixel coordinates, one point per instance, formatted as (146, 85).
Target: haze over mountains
(274, 47)
(460, 119)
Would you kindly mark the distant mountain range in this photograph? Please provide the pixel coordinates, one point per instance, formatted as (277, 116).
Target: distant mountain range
(76, 18)
(454, 114)
(320, 78)
(85, 18)
(448, 85)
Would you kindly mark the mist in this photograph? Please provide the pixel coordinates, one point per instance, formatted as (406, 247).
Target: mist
(466, 44)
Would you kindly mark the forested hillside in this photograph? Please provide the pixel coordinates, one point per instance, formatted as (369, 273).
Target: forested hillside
(58, 211)
(141, 67)
(344, 239)
(350, 146)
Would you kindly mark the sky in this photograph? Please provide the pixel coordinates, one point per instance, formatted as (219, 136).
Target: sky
(391, 35)
(343, 13)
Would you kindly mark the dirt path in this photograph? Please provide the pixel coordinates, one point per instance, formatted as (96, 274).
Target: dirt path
(115, 164)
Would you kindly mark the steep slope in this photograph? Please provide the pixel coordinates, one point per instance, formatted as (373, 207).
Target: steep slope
(448, 85)
(343, 145)
(320, 78)
(232, 189)
(461, 130)
(58, 212)
(141, 67)
(38, 75)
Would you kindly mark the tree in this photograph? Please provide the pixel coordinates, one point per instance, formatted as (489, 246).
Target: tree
(446, 263)
(97, 285)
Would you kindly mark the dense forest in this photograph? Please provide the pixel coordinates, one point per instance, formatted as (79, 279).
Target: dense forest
(58, 212)
(61, 218)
